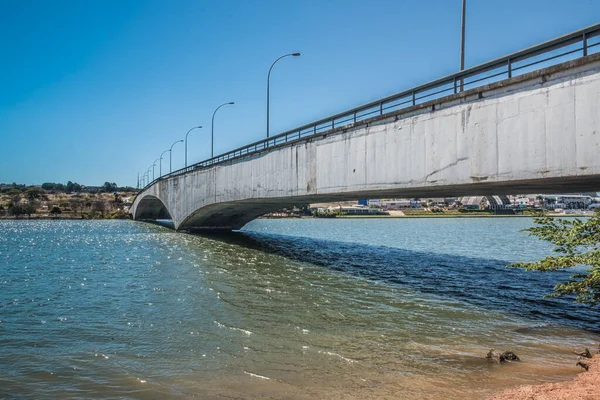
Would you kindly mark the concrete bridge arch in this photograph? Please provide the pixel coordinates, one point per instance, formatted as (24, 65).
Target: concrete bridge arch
(150, 207)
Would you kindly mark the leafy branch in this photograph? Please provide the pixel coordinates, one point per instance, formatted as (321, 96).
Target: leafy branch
(577, 244)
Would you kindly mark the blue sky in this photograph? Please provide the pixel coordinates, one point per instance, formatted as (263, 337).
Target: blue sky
(93, 91)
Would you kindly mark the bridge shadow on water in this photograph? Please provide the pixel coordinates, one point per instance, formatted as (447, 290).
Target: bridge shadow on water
(485, 283)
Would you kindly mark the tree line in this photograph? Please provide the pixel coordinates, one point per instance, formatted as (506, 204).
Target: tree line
(69, 187)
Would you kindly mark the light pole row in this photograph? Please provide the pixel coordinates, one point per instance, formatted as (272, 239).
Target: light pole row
(145, 181)
(170, 150)
(462, 65)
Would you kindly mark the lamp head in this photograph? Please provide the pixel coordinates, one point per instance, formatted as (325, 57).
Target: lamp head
(231, 102)
(296, 54)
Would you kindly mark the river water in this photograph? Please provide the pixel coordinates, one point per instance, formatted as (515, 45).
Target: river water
(297, 309)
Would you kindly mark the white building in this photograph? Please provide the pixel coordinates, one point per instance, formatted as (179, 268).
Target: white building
(399, 204)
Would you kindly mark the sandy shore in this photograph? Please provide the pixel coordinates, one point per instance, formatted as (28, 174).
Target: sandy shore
(584, 386)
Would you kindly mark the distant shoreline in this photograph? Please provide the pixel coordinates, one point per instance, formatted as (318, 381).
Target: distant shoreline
(463, 216)
(436, 215)
(432, 215)
(52, 218)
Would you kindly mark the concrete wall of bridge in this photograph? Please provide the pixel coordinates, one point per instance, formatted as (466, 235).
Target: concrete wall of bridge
(539, 132)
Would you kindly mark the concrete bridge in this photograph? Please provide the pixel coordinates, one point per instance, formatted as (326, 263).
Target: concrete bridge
(500, 128)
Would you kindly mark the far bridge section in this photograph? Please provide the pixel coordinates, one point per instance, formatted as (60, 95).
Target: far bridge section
(528, 122)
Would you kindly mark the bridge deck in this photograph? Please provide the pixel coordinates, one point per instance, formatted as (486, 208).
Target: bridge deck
(535, 132)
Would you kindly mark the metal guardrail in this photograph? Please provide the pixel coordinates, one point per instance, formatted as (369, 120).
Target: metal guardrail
(552, 52)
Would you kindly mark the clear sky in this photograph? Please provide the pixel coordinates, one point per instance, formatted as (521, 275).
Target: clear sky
(93, 91)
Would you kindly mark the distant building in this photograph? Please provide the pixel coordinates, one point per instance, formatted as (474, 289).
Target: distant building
(522, 202)
(351, 210)
(399, 204)
(568, 201)
(486, 202)
(474, 202)
(443, 201)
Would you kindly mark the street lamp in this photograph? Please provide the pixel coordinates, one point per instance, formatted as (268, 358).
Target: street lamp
(268, 83)
(212, 130)
(154, 165)
(171, 155)
(160, 163)
(462, 41)
(186, 135)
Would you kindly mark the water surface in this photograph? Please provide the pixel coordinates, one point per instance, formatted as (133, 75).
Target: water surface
(378, 308)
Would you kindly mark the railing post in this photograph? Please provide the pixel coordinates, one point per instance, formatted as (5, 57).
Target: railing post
(354, 116)
(585, 52)
(455, 91)
(381, 108)
(413, 98)
(315, 129)
(333, 124)
(509, 62)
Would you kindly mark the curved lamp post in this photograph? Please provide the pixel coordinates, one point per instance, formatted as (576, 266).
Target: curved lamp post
(212, 130)
(268, 83)
(186, 135)
(154, 165)
(171, 155)
(160, 163)
(462, 42)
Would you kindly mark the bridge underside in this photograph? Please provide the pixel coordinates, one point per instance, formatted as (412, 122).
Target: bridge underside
(234, 215)
(151, 208)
